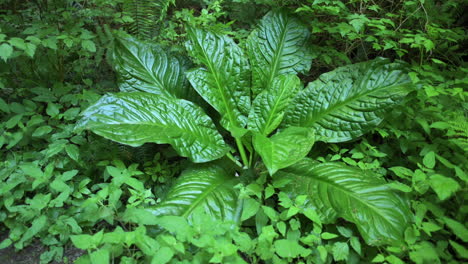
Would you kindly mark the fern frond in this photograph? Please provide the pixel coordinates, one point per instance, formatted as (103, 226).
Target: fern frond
(458, 131)
(146, 15)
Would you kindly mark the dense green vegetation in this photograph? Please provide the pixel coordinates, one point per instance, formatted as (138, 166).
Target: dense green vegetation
(293, 131)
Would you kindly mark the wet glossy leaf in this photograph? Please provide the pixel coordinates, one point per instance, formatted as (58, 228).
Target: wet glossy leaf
(278, 46)
(284, 148)
(336, 190)
(137, 118)
(347, 102)
(149, 68)
(208, 188)
(224, 79)
(268, 107)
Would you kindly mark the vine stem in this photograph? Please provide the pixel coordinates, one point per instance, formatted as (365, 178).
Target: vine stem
(240, 146)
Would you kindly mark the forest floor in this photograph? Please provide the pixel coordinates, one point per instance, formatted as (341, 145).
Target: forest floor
(32, 253)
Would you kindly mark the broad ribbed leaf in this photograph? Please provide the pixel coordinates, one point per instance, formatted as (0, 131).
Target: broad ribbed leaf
(149, 68)
(207, 187)
(137, 118)
(268, 108)
(224, 79)
(277, 46)
(337, 190)
(345, 103)
(284, 148)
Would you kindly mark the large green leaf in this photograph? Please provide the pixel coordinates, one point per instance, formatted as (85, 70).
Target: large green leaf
(147, 67)
(285, 147)
(224, 80)
(136, 118)
(277, 46)
(207, 187)
(347, 102)
(337, 190)
(268, 108)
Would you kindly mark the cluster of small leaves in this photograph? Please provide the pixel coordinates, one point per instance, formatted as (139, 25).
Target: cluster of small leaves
(55, 183)
(60, 40)
(173, 240)
(408, 30)
(429, 134)
(52, 53)
(343, 31)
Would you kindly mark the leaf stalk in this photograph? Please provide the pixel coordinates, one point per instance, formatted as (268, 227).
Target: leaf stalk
(229, 155)
(240, 146)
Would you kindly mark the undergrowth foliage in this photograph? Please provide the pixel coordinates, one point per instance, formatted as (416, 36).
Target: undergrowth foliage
(144, 16)
(295, 162)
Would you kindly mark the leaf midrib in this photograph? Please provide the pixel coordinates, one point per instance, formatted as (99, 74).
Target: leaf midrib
(158, 82)
(278, 54)
(211, 68)
(345, 102)
(273, 110)
(207, 140)
(273, 74)
(203, 196)
(349, 193)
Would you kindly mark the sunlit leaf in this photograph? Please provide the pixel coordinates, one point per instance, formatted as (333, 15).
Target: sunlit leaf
(137, 118)
(337, 190)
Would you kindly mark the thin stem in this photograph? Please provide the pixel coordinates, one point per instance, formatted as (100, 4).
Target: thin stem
(240, 146)
(254, 159)
(229, 155)
(404, 20)
(421, 55)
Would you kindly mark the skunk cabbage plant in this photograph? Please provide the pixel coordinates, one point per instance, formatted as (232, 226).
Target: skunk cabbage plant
(259, 116)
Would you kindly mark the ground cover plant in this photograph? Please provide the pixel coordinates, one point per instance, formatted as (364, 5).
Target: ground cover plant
(288, 138)
(339, 106)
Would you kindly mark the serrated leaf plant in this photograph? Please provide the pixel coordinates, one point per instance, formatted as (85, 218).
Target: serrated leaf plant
(259, 116)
